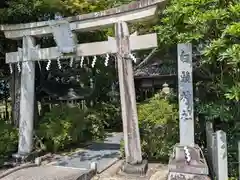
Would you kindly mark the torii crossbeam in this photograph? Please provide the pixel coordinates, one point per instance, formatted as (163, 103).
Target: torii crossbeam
(64, 32)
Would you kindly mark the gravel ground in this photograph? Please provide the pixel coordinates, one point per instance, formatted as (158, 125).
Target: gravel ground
(155, 172)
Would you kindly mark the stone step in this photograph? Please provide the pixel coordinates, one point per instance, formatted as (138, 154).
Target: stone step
(50, 173)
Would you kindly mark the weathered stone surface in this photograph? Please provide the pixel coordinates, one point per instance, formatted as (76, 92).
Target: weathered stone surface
(179, 167)
(132, 144)
(197, 165)
(221, 155)
(239, 158)
(121, 9)
(27, 97)
(159, 175)
(49, 173)
(185, 176)
(104, 154)
(67, 44)
(139, 10)
(185, 91)
(139, 169)
(86, 49)
(155, 171)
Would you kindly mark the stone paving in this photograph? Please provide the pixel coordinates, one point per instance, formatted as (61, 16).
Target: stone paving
(104, 154)
(46, 173)
(77, 165)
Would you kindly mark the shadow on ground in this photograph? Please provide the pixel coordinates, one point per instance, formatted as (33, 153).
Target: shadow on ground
(103, 153)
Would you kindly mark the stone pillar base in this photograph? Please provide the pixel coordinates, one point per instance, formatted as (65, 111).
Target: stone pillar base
(26, 157)
(174, 176)
(197, 165)
(137, 169)
(19, 157)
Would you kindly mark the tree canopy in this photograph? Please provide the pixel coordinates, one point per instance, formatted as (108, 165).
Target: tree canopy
(36, 10)
(214, 29)
(211, 25)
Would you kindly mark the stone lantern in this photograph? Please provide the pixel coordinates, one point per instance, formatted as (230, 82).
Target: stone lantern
(165, 89)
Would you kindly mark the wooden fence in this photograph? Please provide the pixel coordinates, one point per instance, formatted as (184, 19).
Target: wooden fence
(217, 153)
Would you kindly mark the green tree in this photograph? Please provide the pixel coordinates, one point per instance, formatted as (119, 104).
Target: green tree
(23, 11)
(213, 27)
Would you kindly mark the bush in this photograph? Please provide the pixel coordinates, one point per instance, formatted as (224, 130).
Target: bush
(8, 140)
(64, 126)
(158, 122)
(96, 124)
(111, 115)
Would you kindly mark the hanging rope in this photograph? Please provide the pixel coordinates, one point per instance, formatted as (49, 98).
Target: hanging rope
(94, 61)
(48, 65)
(187, 154)
(11, 69)
(59, 63)
(19, 67)
(81, 62)
(133, 58)
(106, 60)
(71, 62)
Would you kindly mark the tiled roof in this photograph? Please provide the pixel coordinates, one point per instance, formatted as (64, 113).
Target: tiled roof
(156, 68)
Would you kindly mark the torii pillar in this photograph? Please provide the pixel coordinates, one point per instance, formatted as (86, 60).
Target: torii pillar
(128, 98)
(27, 97)
(144, 10)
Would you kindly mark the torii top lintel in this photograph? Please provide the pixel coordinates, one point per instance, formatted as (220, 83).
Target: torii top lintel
(135, 11)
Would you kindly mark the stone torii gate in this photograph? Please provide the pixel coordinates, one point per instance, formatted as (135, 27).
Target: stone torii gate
(64, 33)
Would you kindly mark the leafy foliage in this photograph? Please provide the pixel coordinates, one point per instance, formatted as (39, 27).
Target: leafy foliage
(8, 140)
(110, 113)
(64, 126)
(213, 28)
(36, 10)
(211, 25)
(158, 124)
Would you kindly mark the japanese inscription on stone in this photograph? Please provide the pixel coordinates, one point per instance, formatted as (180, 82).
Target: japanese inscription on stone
(185, 90)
